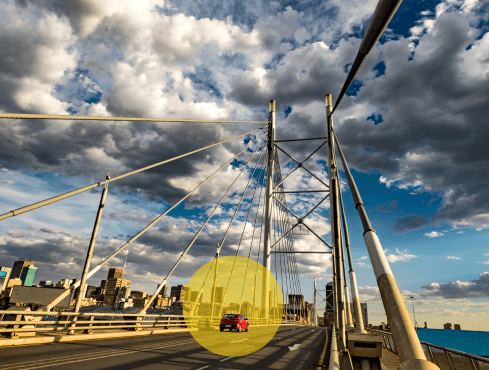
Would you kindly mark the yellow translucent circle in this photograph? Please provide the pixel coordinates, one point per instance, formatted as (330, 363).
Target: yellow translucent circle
(240, 286)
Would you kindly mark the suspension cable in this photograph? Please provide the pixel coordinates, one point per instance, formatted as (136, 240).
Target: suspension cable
(240, 201)
(254, 228)
(198, 233)
(259, 247)
(43, 203)
(221, 244)
(108, 118)
(120, 249)
(240, 240)
(380, 19)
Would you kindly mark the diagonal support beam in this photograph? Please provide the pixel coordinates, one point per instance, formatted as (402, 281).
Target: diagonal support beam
(285, 234)
(301, 165)
(300, 221)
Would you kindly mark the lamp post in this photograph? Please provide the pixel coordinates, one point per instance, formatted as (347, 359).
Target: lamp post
(415, 323)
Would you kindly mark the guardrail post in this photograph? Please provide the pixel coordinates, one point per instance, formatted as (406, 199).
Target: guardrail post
(430, 352)
(475, 365)
(15, 326)
(449, 360)
(136, 324)
(89, 330)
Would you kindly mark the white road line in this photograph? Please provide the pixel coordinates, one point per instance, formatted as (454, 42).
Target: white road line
(94, 357)
(294, 347)
(225, 359)
(97, 353)
(203, 367)
(237, 341)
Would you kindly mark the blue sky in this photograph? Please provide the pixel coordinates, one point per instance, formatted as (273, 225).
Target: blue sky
(412, 127)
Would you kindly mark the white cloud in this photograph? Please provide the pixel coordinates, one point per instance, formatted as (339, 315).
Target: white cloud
(433, 234)
(454, 258)
(402, 256)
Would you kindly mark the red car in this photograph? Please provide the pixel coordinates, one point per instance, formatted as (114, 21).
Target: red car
(234, 321)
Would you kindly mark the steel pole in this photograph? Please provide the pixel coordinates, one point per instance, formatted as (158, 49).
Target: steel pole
(349, 321)
(268, 206)
(215, 281)
(407, 342)
(339, 275)
(357, 309)
(90, 249)
(315, 322)
(333, 289)
(414, 315)
(334, 218)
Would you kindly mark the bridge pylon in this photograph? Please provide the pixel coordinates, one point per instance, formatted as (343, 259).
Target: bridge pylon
(268, 207)
(407, 342)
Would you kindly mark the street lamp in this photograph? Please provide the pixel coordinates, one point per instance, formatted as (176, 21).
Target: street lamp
(415, 323)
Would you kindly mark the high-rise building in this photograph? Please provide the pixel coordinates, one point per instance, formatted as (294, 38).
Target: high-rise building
(329, 298)
(103, 286)
(363, 307)
(27, 275)
(296, 299)
(115, 273)
(164, 290)
(90, 291)
(19, 266)
(178, 292)
(219, 294)
(4, 277)
(112, 289)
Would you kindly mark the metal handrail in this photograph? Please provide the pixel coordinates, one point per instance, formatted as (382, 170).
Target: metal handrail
(70, 321)
(86, 322)
(388, 343)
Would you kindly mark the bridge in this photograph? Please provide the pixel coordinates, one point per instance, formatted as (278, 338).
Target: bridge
(135, 340)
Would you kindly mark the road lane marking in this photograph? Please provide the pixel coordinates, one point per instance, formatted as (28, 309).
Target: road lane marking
(294, 347)
(203, 367)
(237, 341)
(95, 356)
(225, 359)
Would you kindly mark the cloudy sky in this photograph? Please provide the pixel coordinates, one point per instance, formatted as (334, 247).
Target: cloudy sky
(412, 126)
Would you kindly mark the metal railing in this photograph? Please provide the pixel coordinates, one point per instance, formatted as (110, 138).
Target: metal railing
(444, 358)
(16, 322)
(64, 322)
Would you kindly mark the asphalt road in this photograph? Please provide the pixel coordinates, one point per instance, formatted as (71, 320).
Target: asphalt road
(293, 347)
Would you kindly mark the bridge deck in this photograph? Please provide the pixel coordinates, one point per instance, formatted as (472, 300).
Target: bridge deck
(389, 361)
(293, 347)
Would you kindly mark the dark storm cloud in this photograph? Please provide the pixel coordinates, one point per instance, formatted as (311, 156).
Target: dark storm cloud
(302, 76)
(435, 121)
(391, 207)
(432, 134)
(409, 223)
(478, 288)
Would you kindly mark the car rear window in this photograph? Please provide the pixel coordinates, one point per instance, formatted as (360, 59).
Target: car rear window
(230, 316)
